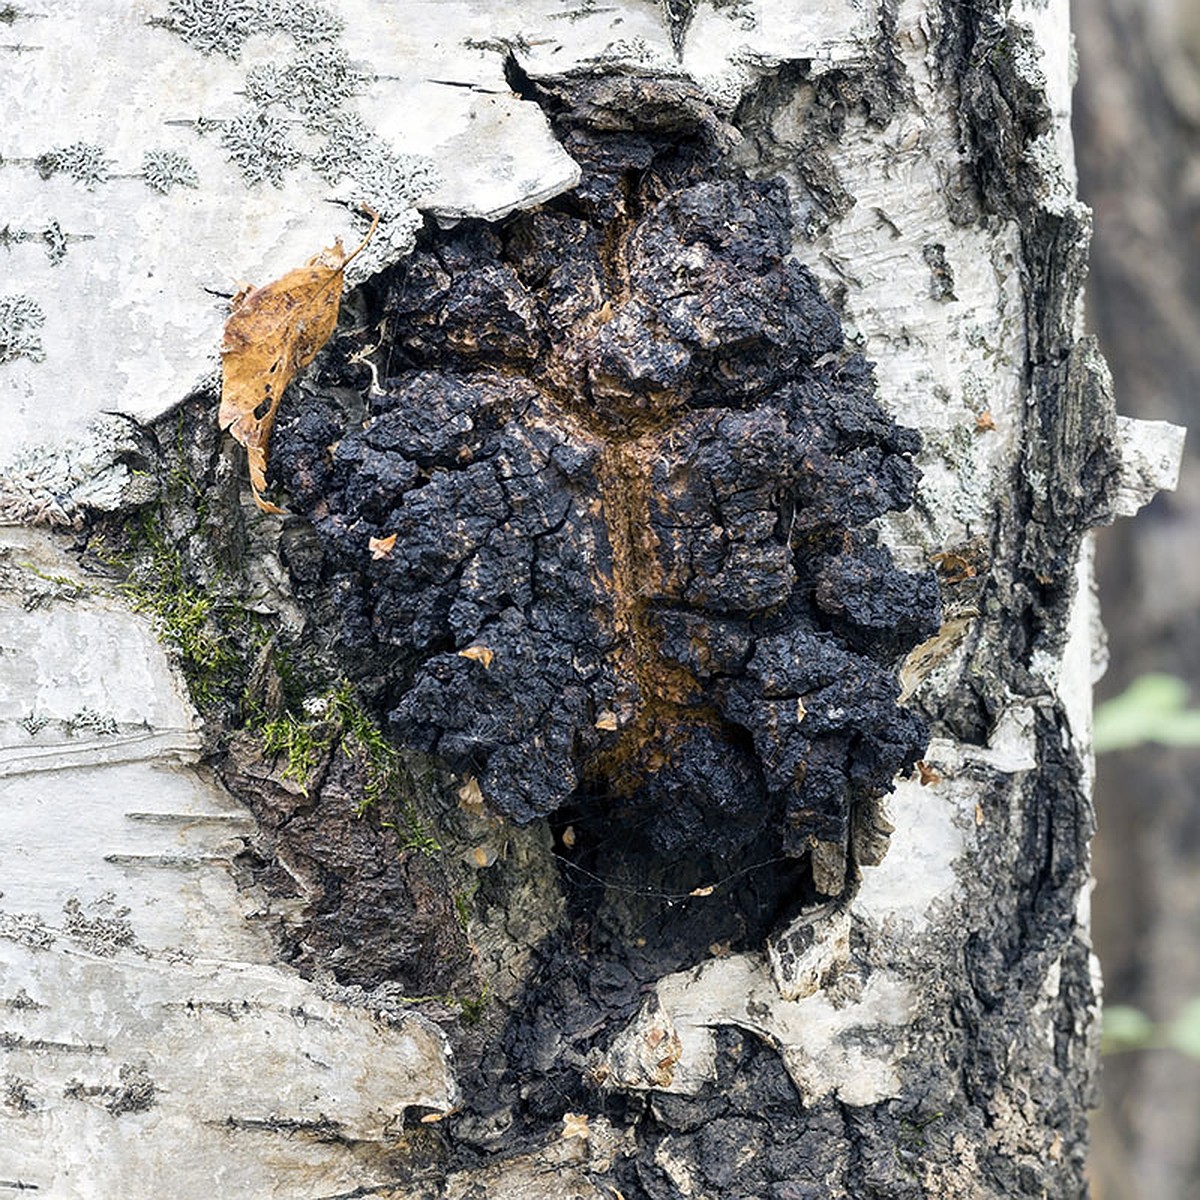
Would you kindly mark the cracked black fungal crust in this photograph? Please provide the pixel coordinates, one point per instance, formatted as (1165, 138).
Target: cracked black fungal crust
(630, 475)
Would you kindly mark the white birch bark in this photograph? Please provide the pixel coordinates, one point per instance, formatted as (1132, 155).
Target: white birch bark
(152, 1044)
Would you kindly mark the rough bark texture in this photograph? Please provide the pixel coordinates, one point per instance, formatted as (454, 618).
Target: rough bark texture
(1137, 124)
(624, 905)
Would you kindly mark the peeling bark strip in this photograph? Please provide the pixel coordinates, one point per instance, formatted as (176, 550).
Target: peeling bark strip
(628, 472)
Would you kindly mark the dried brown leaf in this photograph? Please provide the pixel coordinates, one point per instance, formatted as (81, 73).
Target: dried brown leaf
(272, 332)
(470, 796)
(954, 568)
(575, 1125)
(382, 547)
(928, 775)
(481, 654)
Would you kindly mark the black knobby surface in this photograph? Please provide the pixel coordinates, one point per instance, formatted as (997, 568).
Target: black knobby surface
(629, 469)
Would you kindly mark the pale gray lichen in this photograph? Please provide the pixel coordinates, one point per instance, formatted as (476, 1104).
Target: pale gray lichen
(223, 26)
(81, 161)
(374, 175)
(53, 237)
(348, 138)
(105, 932)
(315, 84)
(56, 243)
(220, 26)
(305, 21)
(90, 721)
(395, 238)
(260, 143)
(107, 470)
(267, 84)
(20, 320)
(166, 169)
(386, 181)
(34, 723)
(26, 929)
(207, 125)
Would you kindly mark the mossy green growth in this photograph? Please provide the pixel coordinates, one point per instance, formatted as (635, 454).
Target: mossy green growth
(912, 1145)
(72, 586)
(182, 563)
(472, 1008)
(304, 743)
(213, 640)
(462, 905)
(337, 722)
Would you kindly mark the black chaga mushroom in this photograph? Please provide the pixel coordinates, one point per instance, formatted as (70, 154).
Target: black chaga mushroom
(630, 473)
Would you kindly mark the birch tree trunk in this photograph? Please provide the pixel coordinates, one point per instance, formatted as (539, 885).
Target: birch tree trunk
(515, 815)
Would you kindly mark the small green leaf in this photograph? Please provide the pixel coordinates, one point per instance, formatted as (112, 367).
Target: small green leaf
(1152, 709)
(1183, 1033)
(1125, 1028)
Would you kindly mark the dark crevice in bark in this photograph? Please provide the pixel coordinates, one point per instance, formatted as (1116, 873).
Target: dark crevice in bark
(1063, 488)
(1069, 460)
(1027, 921)
(789, 119)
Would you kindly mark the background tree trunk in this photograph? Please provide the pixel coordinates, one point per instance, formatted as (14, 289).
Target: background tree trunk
(1137, 111)
(278, 950)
